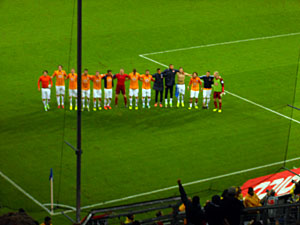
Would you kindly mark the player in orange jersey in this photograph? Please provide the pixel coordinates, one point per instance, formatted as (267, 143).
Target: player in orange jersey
(72, 87)
(46, 88)
(86, 92)
(97, 92)
(134, 88)
(195, 82)
(146, 87)
(108, 85)
(60, 76)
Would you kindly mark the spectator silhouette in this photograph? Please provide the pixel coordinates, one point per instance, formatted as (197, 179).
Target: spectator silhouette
(213, 211)
(231, 207)
(194, 213)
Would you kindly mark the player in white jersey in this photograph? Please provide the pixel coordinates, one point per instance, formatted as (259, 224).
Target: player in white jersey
(180, 86)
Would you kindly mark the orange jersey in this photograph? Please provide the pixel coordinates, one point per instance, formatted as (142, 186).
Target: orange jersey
(60, 77)
(108, 82)
(195, 83)
(73, 80)
(85, 82)
(134, 80)
(45, 81)
(97, 81)
(146, 81)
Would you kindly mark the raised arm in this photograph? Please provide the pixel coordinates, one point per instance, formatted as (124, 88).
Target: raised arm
(187, 74)
(183, 196)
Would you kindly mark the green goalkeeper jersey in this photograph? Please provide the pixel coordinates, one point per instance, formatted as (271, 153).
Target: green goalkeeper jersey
(218, 85)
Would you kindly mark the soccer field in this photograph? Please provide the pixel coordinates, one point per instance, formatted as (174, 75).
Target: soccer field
(140, 154)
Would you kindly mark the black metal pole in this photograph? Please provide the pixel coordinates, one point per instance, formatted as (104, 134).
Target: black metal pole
(292, 112)
(78, 152)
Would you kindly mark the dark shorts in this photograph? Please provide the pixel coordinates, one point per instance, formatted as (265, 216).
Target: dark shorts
(217, 95)
(120, 88)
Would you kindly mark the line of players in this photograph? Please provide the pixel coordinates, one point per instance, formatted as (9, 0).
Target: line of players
(163, 81)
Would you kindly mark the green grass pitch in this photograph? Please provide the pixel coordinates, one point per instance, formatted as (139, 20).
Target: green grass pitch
(131, 152)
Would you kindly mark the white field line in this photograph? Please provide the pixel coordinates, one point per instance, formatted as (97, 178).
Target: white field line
(24, 192)
(186, 184)
(60, 205)
(235, 95)
(189, 183)
(223, 43)
(153, 60)
(263, 107)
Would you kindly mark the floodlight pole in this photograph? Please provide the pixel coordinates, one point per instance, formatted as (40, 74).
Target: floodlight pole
(78, 152)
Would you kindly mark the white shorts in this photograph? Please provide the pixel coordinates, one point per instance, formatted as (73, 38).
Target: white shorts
(146, 93)
(108, 93)
(206, 93)
(60, 90)
(134, 92)
(97, 93)
(73, 93)
(194, 94)
(181, 88)
(46, 93)
(86, 93)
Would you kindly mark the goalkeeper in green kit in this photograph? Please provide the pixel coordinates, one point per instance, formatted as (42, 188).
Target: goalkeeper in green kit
(218, 87)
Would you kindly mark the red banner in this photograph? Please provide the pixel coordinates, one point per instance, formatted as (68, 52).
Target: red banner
(280, 182)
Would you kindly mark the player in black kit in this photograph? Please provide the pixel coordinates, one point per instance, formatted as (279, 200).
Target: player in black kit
(208, 81)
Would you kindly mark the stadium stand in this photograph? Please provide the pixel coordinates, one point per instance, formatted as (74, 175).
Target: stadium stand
(17, 218)
(282, 210)
(229, 209)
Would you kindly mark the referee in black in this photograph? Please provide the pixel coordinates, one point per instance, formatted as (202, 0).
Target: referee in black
(169, 75)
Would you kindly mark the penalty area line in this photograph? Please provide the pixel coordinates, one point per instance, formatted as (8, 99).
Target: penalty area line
(185, 184)
(235, 95)
(223, 43)
(263, 107)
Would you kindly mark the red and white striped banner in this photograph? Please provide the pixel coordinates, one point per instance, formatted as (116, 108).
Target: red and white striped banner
(280, 182)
